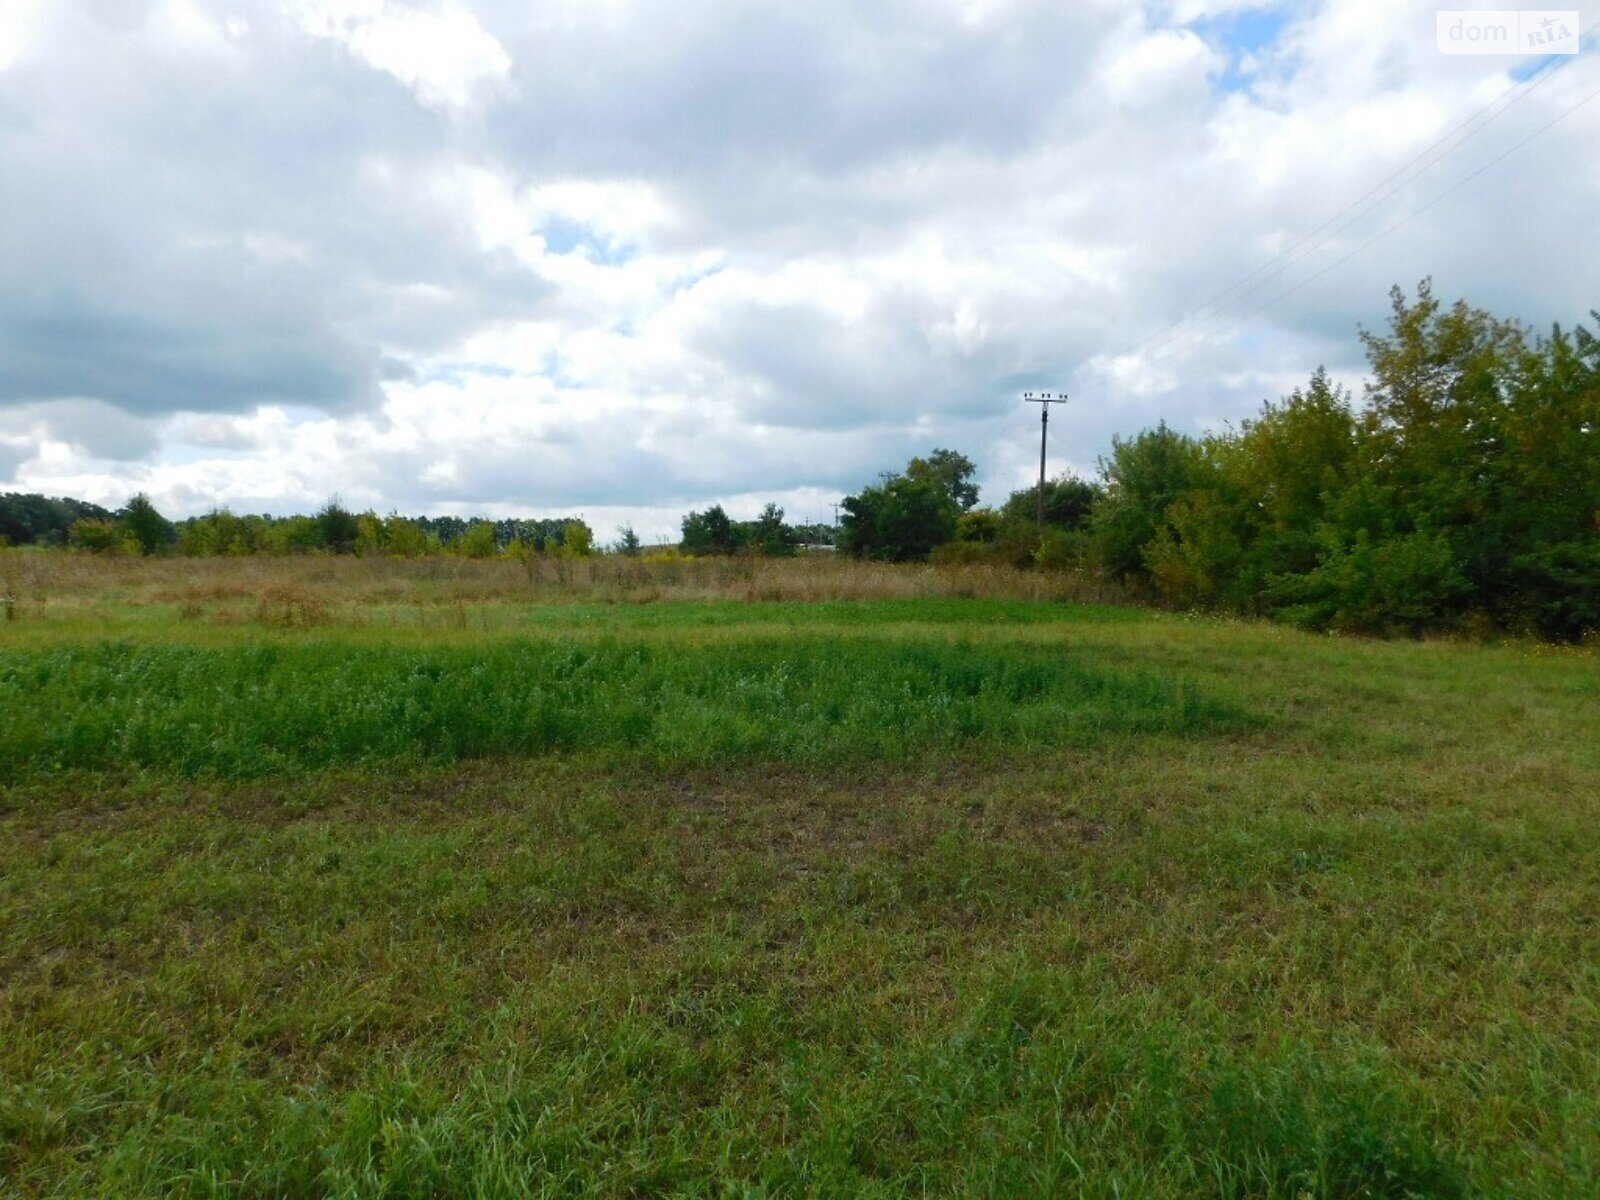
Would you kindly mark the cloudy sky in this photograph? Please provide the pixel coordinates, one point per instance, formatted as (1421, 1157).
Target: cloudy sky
(624, 257)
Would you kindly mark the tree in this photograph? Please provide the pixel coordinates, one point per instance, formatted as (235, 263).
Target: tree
(767, 534)
(1257, 503)
(147, 528)
(28, 519)
(1200, 552)
(1293, 463)
(1466, 414)
(372, 535)
(301, 534)
(628, 542)
(910, 515)
(1549, 515)
(1406, 583)
(404, 538)
(218, 532)
(477, 542)
(1069, 502)
(577, 540)
(337, 527)
(709, 532)
(1144, 477)
(819, 533)
(904, 520)
(950, 472)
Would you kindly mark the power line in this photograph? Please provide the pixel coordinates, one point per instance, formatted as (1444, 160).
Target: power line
(1404, 221)
(1419, 164)
(1434, 154)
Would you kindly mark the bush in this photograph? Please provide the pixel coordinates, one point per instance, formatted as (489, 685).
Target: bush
(962, 554)
(95, 535)
(981, 525)
(578, 540)
(1407, 584)
(1062, 550)
(405, 539)
(477, 542)
(1559, 588)
(291, 608)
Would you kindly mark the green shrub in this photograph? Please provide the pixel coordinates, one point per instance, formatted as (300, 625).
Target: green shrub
(96, 536)
(1062, 550)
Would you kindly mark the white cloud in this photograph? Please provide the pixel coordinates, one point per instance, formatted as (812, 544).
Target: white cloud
(1163, 66)
(17, 19)
(440, 51)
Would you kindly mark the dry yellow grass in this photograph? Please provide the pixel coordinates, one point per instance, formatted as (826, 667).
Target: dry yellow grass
(347, 587)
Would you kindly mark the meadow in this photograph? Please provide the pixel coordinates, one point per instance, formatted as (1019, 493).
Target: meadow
(335, 877)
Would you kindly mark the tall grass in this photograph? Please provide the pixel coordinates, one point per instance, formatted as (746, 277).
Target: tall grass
(268, 708)
(46, 577)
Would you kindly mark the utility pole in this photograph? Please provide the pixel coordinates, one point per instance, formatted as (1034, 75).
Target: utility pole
(1045, 400)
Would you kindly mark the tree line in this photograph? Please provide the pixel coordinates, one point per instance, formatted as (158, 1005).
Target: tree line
(32, 520)
(138, 528)
(1463, 492)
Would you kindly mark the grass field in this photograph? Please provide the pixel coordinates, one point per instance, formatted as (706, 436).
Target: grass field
(427, 880)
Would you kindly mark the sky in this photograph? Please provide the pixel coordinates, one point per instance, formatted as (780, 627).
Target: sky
(624, 258)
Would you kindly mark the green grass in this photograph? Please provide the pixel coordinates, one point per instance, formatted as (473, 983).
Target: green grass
(252, 710)
(915, 898)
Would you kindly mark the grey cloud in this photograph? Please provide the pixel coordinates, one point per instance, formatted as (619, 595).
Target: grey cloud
(180, 359)
(763, 120)
(219, 229)
(674, 460)
(809, 369)
(11, 457)
(92, 426)
(395, 370)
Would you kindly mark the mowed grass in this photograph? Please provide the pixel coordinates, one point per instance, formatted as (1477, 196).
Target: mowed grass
(899, 898)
